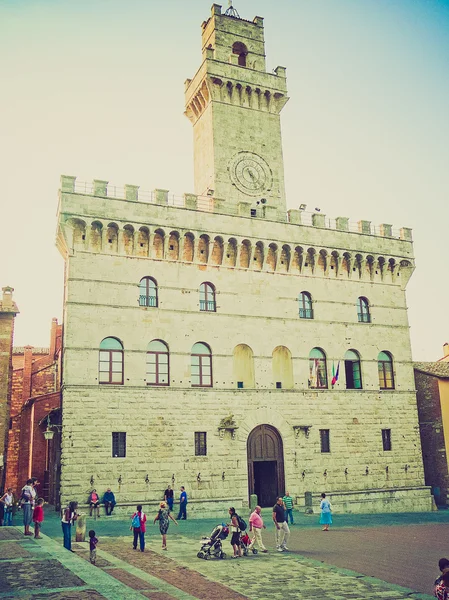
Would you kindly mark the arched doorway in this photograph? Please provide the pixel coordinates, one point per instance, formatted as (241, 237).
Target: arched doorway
(265, 464)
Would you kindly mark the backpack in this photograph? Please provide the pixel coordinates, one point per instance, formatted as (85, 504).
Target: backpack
(25, 496)
(136, 521)
(241, 522)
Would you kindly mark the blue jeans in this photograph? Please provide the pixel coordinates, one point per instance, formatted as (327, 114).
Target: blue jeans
(182, 511)
(67, 532)
(141, 536)
(170, 503)
(289, 513)
(7, 517)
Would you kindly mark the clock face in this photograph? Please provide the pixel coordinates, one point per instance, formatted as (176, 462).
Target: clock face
(250, 173)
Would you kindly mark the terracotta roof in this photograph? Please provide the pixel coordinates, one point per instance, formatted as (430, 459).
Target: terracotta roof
(437, 369)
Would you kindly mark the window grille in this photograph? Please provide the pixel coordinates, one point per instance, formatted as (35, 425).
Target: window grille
(119, 444)
(148, 295)
(207, 298)
(305, 306)
(325, 440)
(386, 440)
(363, 313)
(200, 443)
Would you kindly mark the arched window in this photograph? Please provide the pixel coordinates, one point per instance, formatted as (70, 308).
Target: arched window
(158, 363)
(110, 368)
(201, 365)
(207, 297)
(241, 50)
(353, 371)
(317, 369)
(148, 292)
(385, 368)
(243, 366)
(305, 306)
(363, 310)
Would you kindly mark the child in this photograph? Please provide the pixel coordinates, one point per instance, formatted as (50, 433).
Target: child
(38, 517)
(442, 589)
(443, 563)
(93, 541)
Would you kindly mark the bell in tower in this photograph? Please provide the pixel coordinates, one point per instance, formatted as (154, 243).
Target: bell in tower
(234, 106)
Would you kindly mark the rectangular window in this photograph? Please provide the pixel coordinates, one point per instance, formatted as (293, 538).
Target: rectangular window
(325, 440)
(119, 444)
(240, 385)
(278, 385)
(386, 440)
(200, 443)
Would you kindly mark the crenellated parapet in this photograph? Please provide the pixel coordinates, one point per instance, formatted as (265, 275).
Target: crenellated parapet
(157, 234)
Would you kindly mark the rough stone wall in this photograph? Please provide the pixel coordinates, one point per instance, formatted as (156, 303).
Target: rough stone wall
(8, 311)
(257, 309)
(35, 392)
(432, 435)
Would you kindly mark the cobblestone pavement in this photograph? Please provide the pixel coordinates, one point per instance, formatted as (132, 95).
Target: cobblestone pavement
(285, 576)
(38, 569)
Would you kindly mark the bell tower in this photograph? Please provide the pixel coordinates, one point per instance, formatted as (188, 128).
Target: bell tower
(234, 106)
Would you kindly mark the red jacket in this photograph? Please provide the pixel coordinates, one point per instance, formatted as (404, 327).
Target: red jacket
(143, 519)
(38, 514)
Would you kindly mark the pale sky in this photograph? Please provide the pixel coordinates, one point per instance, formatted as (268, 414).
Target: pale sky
(94, 88)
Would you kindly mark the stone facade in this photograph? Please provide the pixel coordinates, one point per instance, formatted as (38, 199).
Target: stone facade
(36, 395)
(275, 304)
(8, 312)
(432, 391)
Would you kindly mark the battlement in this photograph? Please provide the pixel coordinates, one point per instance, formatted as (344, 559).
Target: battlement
(208, 204)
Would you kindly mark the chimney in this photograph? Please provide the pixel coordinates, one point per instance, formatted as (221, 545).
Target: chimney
(7, 297)
(445, 350)
(27, 368)
(53, 334)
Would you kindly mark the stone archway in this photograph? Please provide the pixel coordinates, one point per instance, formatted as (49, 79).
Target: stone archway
(265, 464)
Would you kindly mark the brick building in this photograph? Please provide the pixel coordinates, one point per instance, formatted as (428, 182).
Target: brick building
(36, 402)
(203, 334)
(8, 312)
(432, 388)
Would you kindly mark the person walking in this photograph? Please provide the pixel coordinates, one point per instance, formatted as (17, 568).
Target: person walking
(7, 501)
(38, 518)
(235, 530)
(256, 525)
(326, 516)
(288, 503)
(138, 526)
(182, 515)
(282, 531)
(109, 502)
(169, 497)
(163, 517)
(69, 516)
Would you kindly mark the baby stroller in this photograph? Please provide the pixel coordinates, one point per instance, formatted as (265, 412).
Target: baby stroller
(245, 541)
(212, 545)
